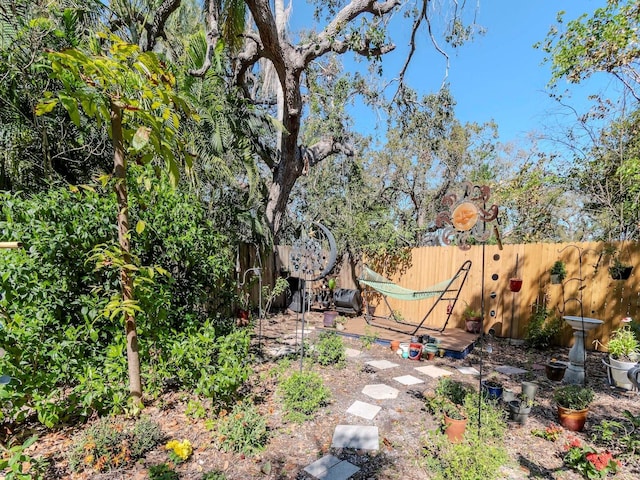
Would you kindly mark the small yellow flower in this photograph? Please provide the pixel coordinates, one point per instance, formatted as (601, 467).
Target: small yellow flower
(180, 450)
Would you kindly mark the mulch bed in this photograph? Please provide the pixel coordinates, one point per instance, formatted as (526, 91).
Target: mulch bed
(402, 422)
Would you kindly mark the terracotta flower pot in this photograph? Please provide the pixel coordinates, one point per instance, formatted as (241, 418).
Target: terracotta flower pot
(573, 420)
(473, 325)
(454, 429)
(395, 345)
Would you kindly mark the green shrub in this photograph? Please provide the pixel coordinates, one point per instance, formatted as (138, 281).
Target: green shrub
(479, 454)
(369, 338)
(67, 357)
(215, 475)
(109, 444)
(541, 331)
(243, 430)
(162, 472)
(16, 464)
(330, 350)
(303, 393)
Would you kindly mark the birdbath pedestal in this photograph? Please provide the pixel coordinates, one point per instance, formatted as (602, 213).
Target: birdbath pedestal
(577, 355)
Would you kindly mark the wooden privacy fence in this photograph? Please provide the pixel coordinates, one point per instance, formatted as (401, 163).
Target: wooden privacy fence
(587, 290)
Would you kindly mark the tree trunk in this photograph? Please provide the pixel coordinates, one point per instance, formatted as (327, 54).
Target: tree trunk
(120, 173)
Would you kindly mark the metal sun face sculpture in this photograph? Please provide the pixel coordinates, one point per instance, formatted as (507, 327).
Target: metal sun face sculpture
(308, 257)
(466, 216)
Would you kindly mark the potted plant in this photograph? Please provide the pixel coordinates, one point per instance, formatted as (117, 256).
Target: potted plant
(573, 405)
(558, 272)
(472, 318)
(492, 387)
(341, 322)
(619, 270)
(624, 353)
(454, 421)
(520, 408)
(447, 399)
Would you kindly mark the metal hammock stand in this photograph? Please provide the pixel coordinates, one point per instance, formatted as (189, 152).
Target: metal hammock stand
(447, 290)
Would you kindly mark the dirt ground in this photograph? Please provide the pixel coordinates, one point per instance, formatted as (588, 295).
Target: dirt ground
(402, 422)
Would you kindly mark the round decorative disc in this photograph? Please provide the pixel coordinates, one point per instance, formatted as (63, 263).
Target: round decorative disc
(465, 216)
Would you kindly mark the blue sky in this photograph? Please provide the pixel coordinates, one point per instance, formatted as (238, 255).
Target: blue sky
(499, 76)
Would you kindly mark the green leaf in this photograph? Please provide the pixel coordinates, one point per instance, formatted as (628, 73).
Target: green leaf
(46, 106)
(140, 226)
(71, 106)
(141, 138)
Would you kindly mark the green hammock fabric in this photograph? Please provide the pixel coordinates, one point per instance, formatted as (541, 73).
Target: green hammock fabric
(390, 289)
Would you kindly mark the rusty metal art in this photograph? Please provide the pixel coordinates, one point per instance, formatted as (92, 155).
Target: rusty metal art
(465, 217)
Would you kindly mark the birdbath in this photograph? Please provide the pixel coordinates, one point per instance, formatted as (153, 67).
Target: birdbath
(577, 354)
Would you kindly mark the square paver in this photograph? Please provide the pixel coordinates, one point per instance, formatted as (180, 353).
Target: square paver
(509, 370)
(352, 352)
(363, 409)
(342, 471)
(408, 380)
(362, 437)
(382, 364)
(380, 391)
(468, 370)
(321, 466)
(433, 371)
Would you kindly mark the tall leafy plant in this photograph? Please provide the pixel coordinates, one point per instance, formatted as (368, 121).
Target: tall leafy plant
(132, 94)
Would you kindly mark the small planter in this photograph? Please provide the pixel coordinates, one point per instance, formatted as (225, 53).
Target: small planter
(395, 345)
(519, 412)
(556, 279)
(473, 325)
(430, 350)
(508, 395)
(515, 284)
(454, 429)
(573, 420)
(555, 371)
(618, 371)
(415, 351)
(329, 320)
(492, 390)
(622, 273)
(529, 389)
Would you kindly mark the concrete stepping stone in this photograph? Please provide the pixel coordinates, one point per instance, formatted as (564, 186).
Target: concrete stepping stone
(382, 364)
(433, 371)
(509, 370)
(468, 370)
(360, 437)
(277, 352)
(363, 409)
(352, 352)
(408, 380)
(331, 468)
(380, 391)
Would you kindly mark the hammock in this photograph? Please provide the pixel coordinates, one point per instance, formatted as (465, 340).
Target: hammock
(388, 288)
(447, 290)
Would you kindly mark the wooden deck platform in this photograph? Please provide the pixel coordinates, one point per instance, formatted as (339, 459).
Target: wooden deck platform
(456, 342)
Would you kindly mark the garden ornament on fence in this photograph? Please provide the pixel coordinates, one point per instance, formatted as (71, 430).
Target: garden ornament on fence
(312, 258)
